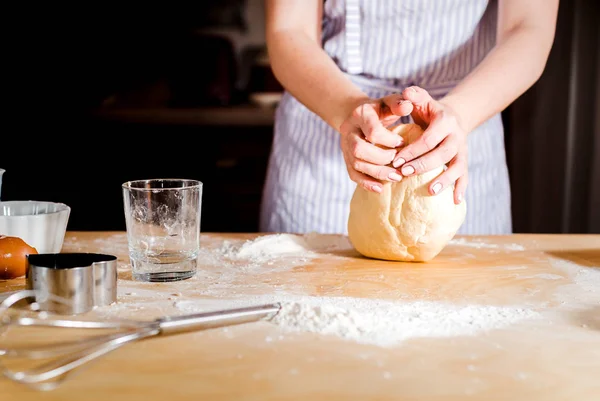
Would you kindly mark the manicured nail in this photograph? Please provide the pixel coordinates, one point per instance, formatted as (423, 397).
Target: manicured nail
(395, 177)
(403, 101)
(376, 188)
(398, 162)
(436, 187)
(408, 170)
(399, 142)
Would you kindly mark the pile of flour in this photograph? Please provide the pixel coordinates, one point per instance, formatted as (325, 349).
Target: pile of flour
(276, 246)
(376, 322)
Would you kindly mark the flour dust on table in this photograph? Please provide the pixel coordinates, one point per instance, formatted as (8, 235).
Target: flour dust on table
(112, 244)
(285, 268)
(377, 322)
(273, 252)
(229, 267)
(269, 247)
(584, 286)
(481, 244)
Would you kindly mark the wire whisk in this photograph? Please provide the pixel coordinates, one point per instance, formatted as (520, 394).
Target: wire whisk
(64, 357)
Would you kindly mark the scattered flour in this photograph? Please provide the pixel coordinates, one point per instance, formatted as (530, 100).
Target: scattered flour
(544, 276)
(267, 247)
(481, 245)
(515, 267)
(585, 285)
(113, 245)
(377, 322)
(327, 243)
(276, 252)
(230, 270)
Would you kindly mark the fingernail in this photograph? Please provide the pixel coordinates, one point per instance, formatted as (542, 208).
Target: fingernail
(460, 198)
(436, 187)
(376, 188)
(395, 177)
(403, 101)
(408, 170)
(398, 162)
(412, 89)
(399, 142)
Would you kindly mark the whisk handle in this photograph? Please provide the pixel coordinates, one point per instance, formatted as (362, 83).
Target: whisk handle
(207, 320)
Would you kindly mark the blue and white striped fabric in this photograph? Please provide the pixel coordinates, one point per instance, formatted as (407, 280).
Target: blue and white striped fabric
(385, 46)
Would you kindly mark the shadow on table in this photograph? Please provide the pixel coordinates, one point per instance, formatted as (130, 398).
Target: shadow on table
(125, 275)
(589, 317)
(583, 257)
(347, 253)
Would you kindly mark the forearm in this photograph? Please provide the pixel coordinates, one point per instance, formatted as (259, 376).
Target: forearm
(311, 76)
(511, 68)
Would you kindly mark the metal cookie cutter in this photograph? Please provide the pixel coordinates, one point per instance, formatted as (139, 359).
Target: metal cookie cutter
(72, 283)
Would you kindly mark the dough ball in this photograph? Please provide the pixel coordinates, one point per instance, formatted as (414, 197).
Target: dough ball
(13, 257)
(404, 222)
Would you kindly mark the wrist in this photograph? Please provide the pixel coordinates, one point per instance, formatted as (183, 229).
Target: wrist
(346, 107)
(459, 108)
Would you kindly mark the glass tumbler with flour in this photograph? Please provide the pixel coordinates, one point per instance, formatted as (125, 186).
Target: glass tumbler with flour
(162, 217)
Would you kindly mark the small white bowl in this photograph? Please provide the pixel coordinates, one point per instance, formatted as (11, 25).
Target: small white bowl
(42, 225)
(266, 100)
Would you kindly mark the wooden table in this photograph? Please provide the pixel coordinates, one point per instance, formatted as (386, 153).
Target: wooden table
(556, 357)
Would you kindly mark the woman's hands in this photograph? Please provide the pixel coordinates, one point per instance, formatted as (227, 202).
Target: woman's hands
(443, 142)
(367, 145)
(374, 154)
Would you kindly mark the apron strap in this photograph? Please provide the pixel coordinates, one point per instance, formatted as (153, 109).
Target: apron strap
(352, 33)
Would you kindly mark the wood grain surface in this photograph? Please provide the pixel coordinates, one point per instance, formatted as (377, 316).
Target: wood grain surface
(555, 357)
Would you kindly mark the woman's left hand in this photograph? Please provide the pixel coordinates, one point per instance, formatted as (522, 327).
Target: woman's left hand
(444, 141)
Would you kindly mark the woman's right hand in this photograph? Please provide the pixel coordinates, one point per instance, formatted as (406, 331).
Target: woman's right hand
(368, 146)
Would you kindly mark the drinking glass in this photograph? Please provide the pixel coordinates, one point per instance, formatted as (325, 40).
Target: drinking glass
(162, 218)
(1, 172)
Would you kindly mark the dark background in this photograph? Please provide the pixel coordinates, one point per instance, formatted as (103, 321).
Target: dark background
(104, 94)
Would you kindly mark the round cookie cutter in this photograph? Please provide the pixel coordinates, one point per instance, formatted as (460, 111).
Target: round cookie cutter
(72, 283)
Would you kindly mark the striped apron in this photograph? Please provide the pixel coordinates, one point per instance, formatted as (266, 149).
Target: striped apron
(385, 46)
